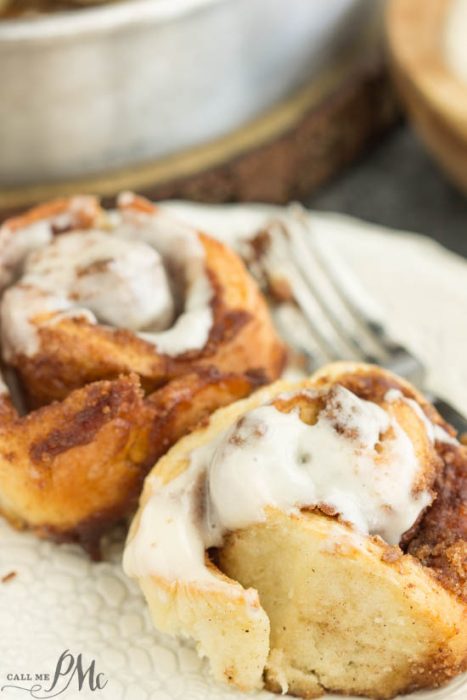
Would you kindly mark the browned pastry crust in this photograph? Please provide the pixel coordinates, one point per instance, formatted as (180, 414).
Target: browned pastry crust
(440, 541)
(312, 605)
(75, 352)
(439, 538)
(109, 405)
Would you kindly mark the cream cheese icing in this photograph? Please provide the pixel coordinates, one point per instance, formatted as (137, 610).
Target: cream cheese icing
(137, 273)
(273, 459)
(435, 432)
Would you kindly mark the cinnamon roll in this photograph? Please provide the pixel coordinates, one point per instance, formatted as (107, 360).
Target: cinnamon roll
(313, 538)
(122, 329)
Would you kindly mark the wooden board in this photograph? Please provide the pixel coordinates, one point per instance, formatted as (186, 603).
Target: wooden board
(435, 98)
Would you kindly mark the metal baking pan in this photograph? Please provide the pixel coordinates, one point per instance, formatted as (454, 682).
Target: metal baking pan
(101, 88)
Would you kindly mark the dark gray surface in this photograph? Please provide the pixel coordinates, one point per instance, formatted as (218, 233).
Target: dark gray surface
(398, 184)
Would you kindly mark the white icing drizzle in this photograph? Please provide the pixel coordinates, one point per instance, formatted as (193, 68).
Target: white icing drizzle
(272, 458)
(117, 276)
(435, 432)
(16, 245)
(440, 435)
(181, 251)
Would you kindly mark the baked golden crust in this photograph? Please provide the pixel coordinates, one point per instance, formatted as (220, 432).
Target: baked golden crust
(107, 404)
(339, 611)
(72, 469)
(439, 538)
(74, 352)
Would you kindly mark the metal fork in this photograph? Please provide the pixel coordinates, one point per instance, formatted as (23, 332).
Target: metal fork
(324, 314)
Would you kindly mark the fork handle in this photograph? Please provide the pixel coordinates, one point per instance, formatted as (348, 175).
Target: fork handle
(450, 414)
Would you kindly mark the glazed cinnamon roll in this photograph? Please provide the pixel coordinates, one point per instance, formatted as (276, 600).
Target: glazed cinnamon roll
(122, 330)
(300, 539)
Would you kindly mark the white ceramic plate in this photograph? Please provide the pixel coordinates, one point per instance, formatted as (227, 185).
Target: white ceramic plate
(58, 600)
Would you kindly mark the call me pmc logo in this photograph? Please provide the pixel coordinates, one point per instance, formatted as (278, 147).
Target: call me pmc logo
(70, 672)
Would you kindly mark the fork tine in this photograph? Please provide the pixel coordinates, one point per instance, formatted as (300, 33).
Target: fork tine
(289, 260)
(290, 265)
(305, 259)
(279, 266)
(362, 308)
(365, 312)
(289, 322)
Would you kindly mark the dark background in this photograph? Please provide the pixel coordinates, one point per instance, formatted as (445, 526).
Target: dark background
(397, 184)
